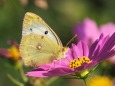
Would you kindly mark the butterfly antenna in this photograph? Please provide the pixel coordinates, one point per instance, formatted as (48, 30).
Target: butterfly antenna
(72, 39)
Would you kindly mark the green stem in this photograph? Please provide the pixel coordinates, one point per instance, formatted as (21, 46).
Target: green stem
(51, 80)
(25, 79)
(85, 82)
(15, 81)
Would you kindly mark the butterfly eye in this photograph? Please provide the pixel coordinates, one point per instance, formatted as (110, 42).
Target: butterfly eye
(46, 32)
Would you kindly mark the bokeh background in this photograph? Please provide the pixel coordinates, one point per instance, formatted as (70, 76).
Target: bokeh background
(61, 16)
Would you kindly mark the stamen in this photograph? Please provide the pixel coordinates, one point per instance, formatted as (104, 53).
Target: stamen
(87, 60)
(79, 62)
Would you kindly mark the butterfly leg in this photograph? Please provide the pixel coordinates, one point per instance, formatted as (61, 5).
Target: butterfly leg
(53, 65)
(33, 64)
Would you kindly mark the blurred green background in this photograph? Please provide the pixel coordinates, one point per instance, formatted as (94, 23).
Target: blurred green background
(60, 15)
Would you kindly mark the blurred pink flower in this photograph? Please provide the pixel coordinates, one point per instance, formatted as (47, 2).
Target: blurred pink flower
(41, 4)
(78, 58)
(24, 2)
(12, 52)
(89, 31)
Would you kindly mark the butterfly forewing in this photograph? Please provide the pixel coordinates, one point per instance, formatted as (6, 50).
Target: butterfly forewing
(34, 24)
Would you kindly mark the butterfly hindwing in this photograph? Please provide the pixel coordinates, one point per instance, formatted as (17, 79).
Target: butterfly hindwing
(37, 50)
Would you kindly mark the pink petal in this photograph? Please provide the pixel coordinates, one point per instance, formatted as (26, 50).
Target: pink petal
(80, 50)
(92, 64)
(97, 46)
(87, 31)
(85, 49)
(107, 29)
(13, 43)
(4, 52)
(106, 55)
(60, 71)
(91, 29)
(77, 50)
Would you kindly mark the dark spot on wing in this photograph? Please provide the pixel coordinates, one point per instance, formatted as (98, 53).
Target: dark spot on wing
(42, 37)
(31, 29)
(46, 32)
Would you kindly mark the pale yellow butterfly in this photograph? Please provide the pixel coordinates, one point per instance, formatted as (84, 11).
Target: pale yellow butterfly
(39, 43)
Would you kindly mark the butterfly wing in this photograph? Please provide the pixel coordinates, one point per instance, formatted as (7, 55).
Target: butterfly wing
(36, 51)
(39, 44)
(34, 24)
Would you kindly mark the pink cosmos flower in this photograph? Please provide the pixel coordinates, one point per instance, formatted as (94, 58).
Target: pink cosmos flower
(89, 32)
(78, 58)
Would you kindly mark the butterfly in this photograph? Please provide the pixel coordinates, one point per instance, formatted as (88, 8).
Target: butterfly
(39, 44)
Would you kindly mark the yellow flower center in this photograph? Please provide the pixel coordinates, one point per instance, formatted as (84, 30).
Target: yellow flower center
(13, 52)
(78, 62)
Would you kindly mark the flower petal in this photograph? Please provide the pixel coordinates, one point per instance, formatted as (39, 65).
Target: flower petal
(13, 43)
(107, 29)
(85, 49)
(53, 72)
(107, 55)
(87, 31)
(109, 44)
(102, 48)
(87, 66)
(44, 67)
(92, 48)
(4, 52)
(80, 50)
(97, 46)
